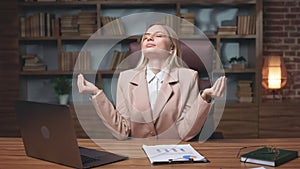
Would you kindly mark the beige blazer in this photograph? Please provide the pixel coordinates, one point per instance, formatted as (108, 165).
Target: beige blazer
(181, 111)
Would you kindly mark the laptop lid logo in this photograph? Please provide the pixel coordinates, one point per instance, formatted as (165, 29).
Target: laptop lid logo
(45, 132)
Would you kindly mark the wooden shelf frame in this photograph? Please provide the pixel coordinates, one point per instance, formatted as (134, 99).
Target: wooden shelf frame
(100, 5)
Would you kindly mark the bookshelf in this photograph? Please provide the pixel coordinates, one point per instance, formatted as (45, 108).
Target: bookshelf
(207, 15)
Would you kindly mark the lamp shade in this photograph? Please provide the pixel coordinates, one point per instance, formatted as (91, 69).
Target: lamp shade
(274, 75)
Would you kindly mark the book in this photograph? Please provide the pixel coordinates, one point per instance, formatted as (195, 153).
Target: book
(246, 25)
(117, 58)
(158, 154)
(264, 156)
(112, 26)
(33, 63)
(187, 23)
(75, 61)
(244, 91)
(227, 30)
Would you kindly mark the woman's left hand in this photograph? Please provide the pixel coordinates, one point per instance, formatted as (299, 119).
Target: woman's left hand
(216, 91)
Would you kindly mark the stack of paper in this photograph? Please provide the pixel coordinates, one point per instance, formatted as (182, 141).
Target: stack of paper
(173, 153)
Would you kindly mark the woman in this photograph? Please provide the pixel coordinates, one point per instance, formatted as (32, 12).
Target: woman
(159, 98)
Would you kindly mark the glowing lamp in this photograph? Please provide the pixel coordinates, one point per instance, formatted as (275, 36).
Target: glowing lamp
(274, 75)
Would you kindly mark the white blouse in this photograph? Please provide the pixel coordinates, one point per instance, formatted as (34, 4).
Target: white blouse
(154, 83)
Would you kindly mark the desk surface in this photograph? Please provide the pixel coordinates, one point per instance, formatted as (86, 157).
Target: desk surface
(221, 153)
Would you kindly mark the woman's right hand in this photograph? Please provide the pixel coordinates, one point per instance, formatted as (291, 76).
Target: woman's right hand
(86, 87)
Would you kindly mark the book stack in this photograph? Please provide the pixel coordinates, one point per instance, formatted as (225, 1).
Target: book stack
(33, 63)
(244, 92)
(69, 25)
(79, 59)
(227, 30)
(246, 25)
(117, 58)
(170, 20)
(187, 23)
(112, 26)
(37, 25)
(87, 22)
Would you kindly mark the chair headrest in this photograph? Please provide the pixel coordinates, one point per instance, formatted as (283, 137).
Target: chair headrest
(197, 55)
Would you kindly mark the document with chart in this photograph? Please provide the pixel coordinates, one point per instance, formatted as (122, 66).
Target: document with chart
(172, 153)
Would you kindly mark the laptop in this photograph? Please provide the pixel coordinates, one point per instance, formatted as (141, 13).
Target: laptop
(48, 134)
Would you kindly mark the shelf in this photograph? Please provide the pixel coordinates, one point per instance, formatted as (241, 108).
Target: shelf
(183, 36)
(235, 71)
(51, 73)
(95, 37)
(102, 72)
(210, 2)
(57, 3)
(46, 73)
(107, 72)
(81, 37)
(197, 37)
(236, 36)
(57, 72)
(38, 38)
(116, 37)
(236, 104)
(139, 2)
(285, 102)
(94, 2)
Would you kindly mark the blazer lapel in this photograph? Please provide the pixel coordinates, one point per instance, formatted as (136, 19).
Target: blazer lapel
(140, 97)
(165, 92)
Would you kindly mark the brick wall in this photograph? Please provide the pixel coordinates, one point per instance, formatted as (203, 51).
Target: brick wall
(282, 37)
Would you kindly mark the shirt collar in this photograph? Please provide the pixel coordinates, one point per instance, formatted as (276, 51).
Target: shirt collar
(160, 75)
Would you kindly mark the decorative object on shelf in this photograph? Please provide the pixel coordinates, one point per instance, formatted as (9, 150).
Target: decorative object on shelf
(274, 75)
(238, 62)
(62, 87)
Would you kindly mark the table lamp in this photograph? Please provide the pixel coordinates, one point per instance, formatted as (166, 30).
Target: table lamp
(274, 75)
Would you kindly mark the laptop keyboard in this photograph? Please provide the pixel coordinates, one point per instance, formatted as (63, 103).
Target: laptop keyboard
(86, 159)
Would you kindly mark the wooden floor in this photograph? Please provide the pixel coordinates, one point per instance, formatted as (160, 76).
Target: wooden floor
(221, 154)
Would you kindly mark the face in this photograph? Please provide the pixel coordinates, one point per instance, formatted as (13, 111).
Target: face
(156, 43)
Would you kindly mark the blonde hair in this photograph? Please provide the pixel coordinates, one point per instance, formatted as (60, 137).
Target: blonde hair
(175, 58)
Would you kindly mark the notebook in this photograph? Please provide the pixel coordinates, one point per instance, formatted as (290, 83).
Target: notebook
(48, 134)
(266, 156)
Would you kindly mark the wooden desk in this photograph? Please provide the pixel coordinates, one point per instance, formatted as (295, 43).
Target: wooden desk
(221, 153)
